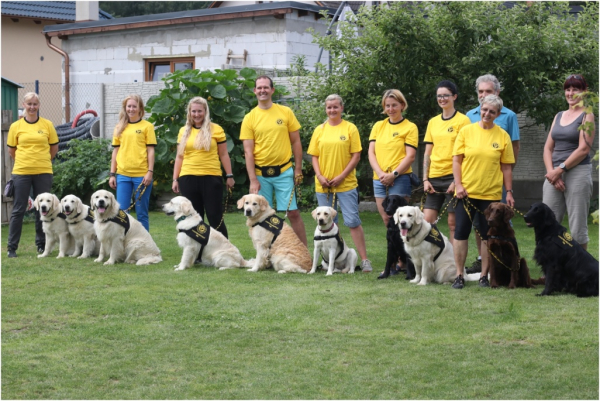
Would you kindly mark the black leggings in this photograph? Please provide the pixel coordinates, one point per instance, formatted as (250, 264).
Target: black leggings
(206, 194)
(464, 223)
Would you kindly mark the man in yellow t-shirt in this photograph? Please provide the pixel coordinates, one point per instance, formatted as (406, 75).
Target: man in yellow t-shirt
(270, 133)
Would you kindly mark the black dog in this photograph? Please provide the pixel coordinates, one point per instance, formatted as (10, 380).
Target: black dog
(566, 265)
(395, 245)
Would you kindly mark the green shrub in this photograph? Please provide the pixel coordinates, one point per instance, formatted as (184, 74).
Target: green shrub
(82, 169)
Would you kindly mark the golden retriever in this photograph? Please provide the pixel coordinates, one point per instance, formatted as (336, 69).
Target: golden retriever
(80, 222)
(216, 251)
(132, 244)
(330, 245)
(54, 226)
(285, 252)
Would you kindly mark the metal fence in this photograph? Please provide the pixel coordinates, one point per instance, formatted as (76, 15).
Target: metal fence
(52, 99)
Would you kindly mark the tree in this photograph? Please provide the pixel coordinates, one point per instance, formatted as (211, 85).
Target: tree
(531, 48)
(120, 9)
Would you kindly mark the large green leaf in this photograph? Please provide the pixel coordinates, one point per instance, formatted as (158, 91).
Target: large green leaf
(161, 150)
(163, 106)
(235, 113)
(248, 73)
(218, 91)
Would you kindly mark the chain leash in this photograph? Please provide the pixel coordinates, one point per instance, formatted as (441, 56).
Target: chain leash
(133, 196)
(229, 194)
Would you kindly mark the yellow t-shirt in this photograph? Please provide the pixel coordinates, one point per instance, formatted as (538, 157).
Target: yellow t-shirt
(32, 141)
(483, 152)
(391, 141)
(270, 129)
(442, 134)
(334, 147)
(200, 161)
(132, 159)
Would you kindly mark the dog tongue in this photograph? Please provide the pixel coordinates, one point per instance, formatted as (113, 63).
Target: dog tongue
(44, 213)
(404, 232)
(102, 209)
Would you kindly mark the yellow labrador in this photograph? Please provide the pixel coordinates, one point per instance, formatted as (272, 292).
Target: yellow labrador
(275, 242)
(330, 245)
(122, 237)
(195, 236)
(54, 226)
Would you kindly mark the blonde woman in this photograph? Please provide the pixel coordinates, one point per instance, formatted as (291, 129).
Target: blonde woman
(132, 161)
(392, 149)
(201, 149)
(32, 144)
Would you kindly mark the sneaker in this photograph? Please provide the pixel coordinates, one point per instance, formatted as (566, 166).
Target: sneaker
(395, 270)
(366, 266)
(459, 282)
(483, 282)
(475, 267)
(12, 254)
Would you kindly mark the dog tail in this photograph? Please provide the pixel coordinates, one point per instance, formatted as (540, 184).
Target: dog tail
(472, 277)
(151, 259)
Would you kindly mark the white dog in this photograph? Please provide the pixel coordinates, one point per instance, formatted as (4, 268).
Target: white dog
(195, 236)
(429, 249)
(80, 222)
(330, 244)
(54, 225)
(275, 242)
(122, 237)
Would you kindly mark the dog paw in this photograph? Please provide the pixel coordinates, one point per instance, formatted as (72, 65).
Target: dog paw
(60, 256)
(98, 260)
(281, 271)
(109, 262)
(42, 256)
(252, 270)
(83, 256)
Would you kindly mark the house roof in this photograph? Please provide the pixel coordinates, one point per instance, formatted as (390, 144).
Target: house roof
(276, 9)
(12, 82)
(46, 10)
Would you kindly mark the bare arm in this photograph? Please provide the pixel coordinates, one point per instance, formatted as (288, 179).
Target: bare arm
(12, 152)
(322, 180)
(53, 151)
(516, 147)
(249, 154)
(176, 172)
(457, 160)
(297, 151)
(226, 162)
(507, 177)
(112, 181)
(427, 187)
(150, 173)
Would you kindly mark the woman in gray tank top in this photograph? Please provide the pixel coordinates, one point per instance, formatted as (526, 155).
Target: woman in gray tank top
(568, 185)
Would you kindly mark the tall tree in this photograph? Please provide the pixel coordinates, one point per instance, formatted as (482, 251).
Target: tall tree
(120, 9)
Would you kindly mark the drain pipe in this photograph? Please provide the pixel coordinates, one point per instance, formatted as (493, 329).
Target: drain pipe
(67, 77)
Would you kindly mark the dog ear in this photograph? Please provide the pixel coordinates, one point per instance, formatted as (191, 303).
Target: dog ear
(55, 203)
(263, 203)
(385, 203)
(79, 204)
(114, 205)
(92, 204)
(487, 211)
(186, 207)
(240, 203)
(333, 212)
(508, 214)
(418, 215)
(396, 218)
(314, 214)
(36, 202)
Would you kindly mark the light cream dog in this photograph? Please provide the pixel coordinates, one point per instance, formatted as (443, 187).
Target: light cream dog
(423, 244)
(80, 222)
(122, 237)
(330, 245)
(54, 226)
(195, 235)
(284, 251)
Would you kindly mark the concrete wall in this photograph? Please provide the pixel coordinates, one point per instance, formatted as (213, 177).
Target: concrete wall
(118, 57)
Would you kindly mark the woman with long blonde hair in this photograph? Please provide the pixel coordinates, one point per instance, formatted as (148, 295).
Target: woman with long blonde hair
(201, 149)
(132, 161)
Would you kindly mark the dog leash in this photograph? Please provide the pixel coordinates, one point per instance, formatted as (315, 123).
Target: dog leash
(296, 190)
(133, 196)
(225, 209)
(333, 199)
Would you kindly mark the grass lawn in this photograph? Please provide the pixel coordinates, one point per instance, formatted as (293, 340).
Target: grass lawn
(79, 330)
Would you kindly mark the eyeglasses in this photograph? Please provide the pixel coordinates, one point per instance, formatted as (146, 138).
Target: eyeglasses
(445, 97)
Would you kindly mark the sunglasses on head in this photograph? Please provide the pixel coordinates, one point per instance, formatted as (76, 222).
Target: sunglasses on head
(576, 77)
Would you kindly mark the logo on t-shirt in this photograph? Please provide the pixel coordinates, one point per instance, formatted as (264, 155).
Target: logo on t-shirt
(395, 134)
(495, 145)
(451, 129)
(342, 137)
(138, 131)
(279, 121)
(41, 132)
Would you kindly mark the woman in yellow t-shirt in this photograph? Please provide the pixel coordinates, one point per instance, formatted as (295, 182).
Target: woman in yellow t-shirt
(201, 149)
(438, 181)
(32, 144)
(392, 149)
(335, 148)
(132, 161)
(482, 162)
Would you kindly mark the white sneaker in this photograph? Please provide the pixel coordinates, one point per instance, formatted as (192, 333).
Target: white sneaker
(366, 266)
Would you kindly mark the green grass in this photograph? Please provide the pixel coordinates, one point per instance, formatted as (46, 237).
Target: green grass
(80, 330)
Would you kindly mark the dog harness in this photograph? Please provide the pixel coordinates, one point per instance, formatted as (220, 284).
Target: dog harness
(338, 237)
(121, 219)
(88, 218)
(513, 241)
(273, 224)
(564, 240)
(434, 237)
(200, 234)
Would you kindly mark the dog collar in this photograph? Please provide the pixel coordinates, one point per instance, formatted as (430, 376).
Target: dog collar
(60, 215)
(408, 238)
(330, 228)
(181, 218)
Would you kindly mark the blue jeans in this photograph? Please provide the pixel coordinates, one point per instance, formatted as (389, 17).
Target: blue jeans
(126, 186)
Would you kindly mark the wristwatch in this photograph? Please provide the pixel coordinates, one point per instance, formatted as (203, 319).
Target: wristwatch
(562, 165)
(511, 191)
(396, 174)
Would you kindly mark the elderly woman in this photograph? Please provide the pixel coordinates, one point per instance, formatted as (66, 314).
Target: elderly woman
(335, 148)
(392, 149)
(568, 185)
(482, 159)
(32, 144)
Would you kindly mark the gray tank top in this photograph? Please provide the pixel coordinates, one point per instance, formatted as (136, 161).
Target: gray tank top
(566, 140)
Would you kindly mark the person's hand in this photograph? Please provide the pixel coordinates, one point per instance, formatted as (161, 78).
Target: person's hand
(336, 181)
(510, 200)
(112, 182)
(230, 183)
(427, 187)
(323, 181)
(387, 179)
(461, 192)
(560, 185)
(147, 180)
(450, 189)
(553, 175)
(254, 186)
(175, 187)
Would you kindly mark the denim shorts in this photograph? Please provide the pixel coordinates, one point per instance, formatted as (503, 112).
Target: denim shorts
(283, 185)
(401, 187)
(348, 201)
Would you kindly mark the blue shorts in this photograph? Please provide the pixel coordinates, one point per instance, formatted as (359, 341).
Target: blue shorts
(348, 201)
(283, 185)
(401, 187)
